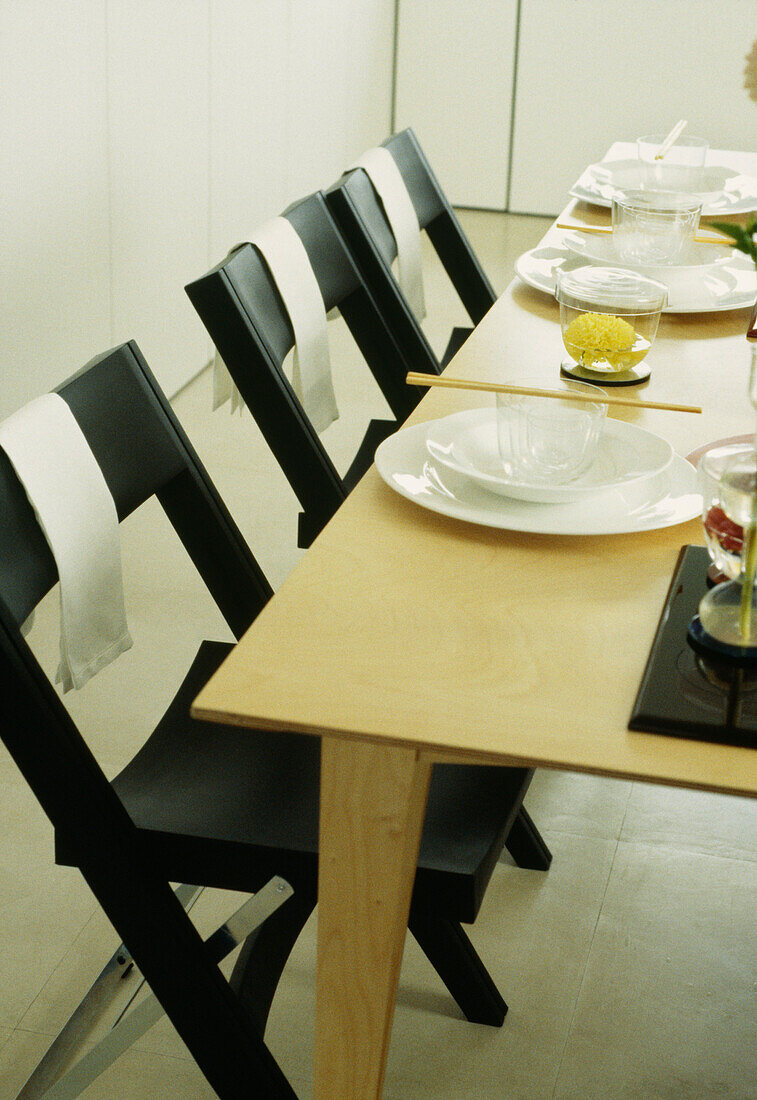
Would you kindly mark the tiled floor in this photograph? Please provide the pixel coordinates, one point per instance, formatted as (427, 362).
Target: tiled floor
(630, 967)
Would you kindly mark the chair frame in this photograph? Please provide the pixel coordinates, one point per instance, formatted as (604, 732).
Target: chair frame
(359, 214)
(221, 1023)
(231, 300)
(67, 781)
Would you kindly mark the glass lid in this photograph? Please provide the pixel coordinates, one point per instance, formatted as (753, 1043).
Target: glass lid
(609, 288)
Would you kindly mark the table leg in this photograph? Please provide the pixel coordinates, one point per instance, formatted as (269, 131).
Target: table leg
(373, 799)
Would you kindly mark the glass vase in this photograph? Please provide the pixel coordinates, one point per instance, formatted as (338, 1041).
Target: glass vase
(728, 612)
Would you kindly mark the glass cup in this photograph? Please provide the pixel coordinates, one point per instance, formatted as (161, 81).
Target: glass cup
(546, 440)
(608, 318)
(728, 612)
(680, 169)
(654, 227)
(724, 537)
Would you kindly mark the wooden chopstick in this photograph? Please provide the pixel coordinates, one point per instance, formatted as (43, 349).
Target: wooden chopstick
(414, 378)
(671, 139)
(604, 229)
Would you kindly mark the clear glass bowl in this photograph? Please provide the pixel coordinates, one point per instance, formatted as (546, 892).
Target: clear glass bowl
(543, 439)
(608, 317)
(723, 536)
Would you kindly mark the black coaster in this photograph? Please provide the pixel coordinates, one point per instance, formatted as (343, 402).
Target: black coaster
(633, 377)
(685, 693)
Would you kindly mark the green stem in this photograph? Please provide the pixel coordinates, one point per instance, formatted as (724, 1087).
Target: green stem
(747, 588)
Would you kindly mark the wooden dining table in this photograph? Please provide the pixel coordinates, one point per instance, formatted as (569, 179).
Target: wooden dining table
(407, 637)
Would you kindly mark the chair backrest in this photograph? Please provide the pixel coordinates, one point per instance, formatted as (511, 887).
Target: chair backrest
(361, 218)
(142, 451)
(242, 310)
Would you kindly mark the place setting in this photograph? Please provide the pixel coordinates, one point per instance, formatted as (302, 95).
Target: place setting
(656, 204)
(672, 162)
(542, 461)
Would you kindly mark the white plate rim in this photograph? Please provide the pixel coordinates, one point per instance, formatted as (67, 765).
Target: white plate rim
(740, 300)
(583, 190)
(625, 164)
(472, 418)
(404, 454)
(709, 210)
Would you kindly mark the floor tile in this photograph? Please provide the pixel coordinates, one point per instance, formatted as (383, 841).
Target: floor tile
(668, 1006)
(533, 934)
(584, 805)
(42, 907)
(137, 1075)
(696, 821)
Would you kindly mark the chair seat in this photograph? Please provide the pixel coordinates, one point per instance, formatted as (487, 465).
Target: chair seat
(234, 806)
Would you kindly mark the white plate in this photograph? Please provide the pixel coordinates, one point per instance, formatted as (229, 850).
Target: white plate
(601, 250)
(466, 442)
(732, 285)
(735, 193)
(667, 499)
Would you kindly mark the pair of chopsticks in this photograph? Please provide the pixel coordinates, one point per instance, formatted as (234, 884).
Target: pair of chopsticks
(414, 378)
(603, 230)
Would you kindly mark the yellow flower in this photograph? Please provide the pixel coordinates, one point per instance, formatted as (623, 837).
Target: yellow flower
(600, 332)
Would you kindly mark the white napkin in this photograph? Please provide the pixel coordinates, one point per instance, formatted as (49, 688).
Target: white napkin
(286, 259)
(76, 512)
(387, 179)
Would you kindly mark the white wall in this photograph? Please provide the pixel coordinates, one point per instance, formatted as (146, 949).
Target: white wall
(592, 72)
(453, 86)
(141, 139)
(589, 73)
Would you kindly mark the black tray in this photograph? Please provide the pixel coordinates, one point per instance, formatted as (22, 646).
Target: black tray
(683, 693)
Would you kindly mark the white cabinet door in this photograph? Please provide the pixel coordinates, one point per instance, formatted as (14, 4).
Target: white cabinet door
(453, 86)
(591, 72)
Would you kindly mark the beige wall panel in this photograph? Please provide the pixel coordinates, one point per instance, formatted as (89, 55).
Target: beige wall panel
(159, 144)
(248, 88)
(591, 73)
(339, 61)
(54, 294)
(454, 86)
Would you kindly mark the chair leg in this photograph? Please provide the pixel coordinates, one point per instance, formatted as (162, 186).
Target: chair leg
(264, 953)
(454, 958)
(526, 844)
(187, 982)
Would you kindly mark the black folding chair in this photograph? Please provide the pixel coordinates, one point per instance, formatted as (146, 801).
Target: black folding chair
(243, 312)
(203, 803)
(249, 325)
(359, 214)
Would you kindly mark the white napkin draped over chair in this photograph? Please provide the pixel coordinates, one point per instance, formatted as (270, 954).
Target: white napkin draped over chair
(287, 260)
(77, 514)
(390, 187)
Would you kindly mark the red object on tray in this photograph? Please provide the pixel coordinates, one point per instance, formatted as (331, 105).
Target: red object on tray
(729, 534)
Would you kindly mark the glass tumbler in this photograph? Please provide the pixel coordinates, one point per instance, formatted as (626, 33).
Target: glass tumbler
(680, 169)
(724, 538)
(547, 440)
(728, 612)
(654, 227)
